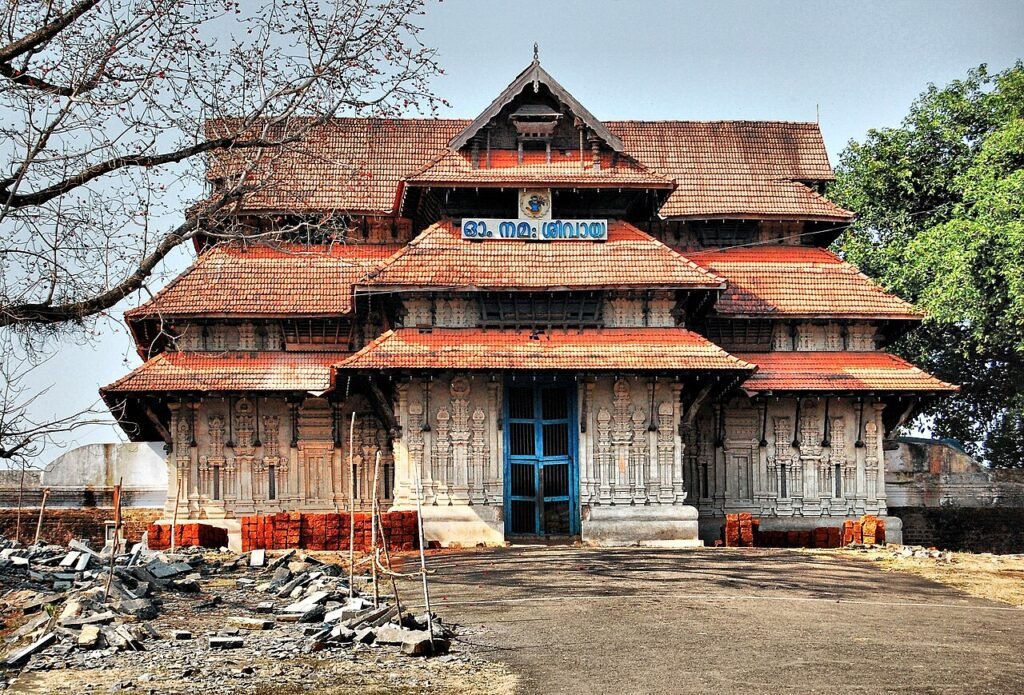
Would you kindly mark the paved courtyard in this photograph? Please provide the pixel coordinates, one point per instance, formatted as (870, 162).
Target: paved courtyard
(722, 621)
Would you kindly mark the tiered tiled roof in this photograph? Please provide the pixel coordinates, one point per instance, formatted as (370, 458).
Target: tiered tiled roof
(456, 169)
(699, 196)
(190, 372)
(438, 257)
(347, 165)
(720, 168)
(735, 167)
(837, 372)
(259, 280)
(797, 281)
(631, 349)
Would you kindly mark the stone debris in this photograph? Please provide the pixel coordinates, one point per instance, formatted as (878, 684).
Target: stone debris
(54, 601)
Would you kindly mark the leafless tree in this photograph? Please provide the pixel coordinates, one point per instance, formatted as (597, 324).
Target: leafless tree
(103, 146)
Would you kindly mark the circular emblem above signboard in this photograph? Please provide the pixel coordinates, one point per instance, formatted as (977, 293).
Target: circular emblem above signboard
(535, 203)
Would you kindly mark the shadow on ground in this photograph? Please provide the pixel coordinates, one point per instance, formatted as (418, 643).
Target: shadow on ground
(696, 621)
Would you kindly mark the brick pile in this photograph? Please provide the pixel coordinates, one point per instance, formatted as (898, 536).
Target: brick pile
(193, 534)
(743, 531)
(288, 530)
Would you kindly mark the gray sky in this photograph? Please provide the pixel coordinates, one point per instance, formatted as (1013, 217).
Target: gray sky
(859, 64)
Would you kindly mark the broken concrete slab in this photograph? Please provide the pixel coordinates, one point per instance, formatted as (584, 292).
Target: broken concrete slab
(17, 658)
(89, 637)
(225, 642)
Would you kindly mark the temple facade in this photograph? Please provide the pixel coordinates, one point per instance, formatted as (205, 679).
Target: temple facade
(540, 325)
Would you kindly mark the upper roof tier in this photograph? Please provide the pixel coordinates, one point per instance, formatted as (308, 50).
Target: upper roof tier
(630, 258)
(718, 168)
(797, 282)
(259, 280)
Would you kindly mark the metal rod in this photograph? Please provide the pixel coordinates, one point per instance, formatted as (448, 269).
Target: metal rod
(174, 518)
(117, 533)
(423, 558)
(351, 511)
(42, 509)
(373, 529)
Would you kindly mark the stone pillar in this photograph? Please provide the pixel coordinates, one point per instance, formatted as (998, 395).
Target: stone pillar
(494, 486)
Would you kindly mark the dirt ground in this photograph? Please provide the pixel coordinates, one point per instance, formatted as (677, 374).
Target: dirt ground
(571, 620)
(994, 577)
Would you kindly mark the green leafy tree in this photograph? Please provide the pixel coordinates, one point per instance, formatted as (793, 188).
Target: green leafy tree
(941, 222)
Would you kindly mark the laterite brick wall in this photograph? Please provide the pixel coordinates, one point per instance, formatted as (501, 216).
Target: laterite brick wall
(326, 531)
(973, 529)
(60, 526)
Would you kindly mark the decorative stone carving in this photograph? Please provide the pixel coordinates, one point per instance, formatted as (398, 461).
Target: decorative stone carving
(479, 457)
(622, 438)
(780, 462)
(666, 450)
(639, 458)
(440, 462)
(660, 312)
(247, 337)
(458, 465)
(605, 458)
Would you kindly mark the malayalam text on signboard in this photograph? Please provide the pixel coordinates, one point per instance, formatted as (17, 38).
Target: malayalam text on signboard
(535, 230)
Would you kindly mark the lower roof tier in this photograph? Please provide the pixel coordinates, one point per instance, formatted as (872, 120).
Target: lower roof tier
(605, 349)
(202, 372)
(838, 372)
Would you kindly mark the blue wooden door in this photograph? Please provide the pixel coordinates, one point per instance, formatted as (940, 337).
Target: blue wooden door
(541, 478)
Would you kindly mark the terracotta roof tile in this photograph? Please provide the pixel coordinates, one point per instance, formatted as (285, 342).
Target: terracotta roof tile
(797, 281)
(748, 196)
(232, 371)
(262, 280)
(645, 349)
(837, 372)
(358, 165)
(630, 258)
(456, 169)
(770, 149)
(349, 164)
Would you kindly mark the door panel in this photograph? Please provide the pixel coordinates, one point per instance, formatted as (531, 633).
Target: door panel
(540, 468)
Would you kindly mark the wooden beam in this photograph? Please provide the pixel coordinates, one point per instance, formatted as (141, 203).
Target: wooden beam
(382, 407)
(153, 418)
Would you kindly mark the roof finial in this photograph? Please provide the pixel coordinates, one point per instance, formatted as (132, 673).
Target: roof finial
(536, 52)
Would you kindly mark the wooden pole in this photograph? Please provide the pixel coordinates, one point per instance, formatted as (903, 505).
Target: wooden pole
(174, 517)
(42, 509)
(351, 509)
(21, 495)
(117, 534)
(394, 584)
(423, 558)
(373, 529)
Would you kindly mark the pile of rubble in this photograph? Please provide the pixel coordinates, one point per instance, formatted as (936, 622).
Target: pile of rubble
(76, 603)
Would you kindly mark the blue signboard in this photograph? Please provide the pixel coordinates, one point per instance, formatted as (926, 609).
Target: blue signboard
(488, 229)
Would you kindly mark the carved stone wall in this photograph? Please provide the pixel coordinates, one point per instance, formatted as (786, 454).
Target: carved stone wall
(808, 336)
(783, 459)
(452, 440)
(626, 311)
(237, 456)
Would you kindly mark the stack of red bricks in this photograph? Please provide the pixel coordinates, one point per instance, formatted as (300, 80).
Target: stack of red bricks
(742, 531)
(288, 530)
(198, 535)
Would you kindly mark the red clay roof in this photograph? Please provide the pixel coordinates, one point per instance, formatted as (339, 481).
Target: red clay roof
(358, 166)
(456, 169)
(348, 165)
(837, 372)
(644, 349)
(699, 196)
(262, 280)
(438, 257)
(231, 371)
(797, 281)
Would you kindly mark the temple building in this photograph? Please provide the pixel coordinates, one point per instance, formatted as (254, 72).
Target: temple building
(548, 326)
